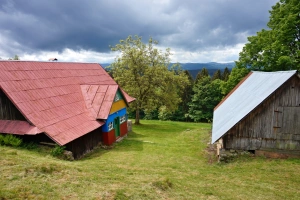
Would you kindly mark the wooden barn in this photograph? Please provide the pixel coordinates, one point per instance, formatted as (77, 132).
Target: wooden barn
(261, 114)
(76, 105)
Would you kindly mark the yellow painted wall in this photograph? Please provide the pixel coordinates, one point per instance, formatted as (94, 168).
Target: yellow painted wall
(117, 106)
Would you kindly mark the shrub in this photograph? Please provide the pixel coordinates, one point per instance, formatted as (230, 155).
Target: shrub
(164, 114)
(57, 151)
(1, 139)
(10, 140)
(29, 145)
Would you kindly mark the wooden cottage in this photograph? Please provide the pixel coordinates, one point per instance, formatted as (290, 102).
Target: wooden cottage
(261, 114)
(76, 105)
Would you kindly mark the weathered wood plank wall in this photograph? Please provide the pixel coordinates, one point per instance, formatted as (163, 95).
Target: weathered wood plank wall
(85, 143)
(8, 111)
(275, 124)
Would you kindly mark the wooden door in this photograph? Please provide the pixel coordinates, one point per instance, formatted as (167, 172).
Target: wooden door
(117, 126)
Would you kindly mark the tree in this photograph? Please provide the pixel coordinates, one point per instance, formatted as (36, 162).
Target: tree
(207, 94)
(216, 75)
(225, 74)
(277, 48)
(236, 75)
(142, 71)
(201, 74)
(181, 114)
(16, 57)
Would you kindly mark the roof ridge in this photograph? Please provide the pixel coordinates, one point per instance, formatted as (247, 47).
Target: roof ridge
(233, 90)
(273, 72)
(36, 61)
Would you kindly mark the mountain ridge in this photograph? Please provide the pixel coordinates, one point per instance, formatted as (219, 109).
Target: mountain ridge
(195, 68)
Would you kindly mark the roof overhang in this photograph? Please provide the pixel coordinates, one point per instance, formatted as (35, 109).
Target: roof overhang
(18, 127)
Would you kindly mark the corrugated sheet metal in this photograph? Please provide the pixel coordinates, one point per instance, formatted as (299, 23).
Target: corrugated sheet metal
(63, 100)
(247, 96)
(99, 98)
(128, 98)
(18, 127)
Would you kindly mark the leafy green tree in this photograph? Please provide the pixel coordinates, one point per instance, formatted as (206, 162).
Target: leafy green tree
(225, 74)
(207, 94)
(16, 57)
(181, 114)
(201, 74)
(216, 75)
(236, 75)
(277, 48)
(142, 71)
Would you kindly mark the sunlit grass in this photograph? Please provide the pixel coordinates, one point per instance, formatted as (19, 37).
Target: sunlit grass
(158, 160)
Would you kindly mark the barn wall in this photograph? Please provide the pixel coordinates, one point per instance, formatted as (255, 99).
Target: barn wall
(273, 125)
(85, 143)
(8, 111)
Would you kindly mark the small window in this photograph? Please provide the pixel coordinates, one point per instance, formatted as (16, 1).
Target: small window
(110, 126)
(116, 98)
(123, 119)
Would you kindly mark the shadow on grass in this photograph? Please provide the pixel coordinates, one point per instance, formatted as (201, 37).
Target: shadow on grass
(95, 153)
(130, 144)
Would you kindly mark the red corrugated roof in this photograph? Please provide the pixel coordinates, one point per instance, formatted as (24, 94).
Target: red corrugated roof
(64, 100)
(18, 127)
(99, 99)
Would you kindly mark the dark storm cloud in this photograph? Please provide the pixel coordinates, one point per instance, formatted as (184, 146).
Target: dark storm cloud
(43, 25)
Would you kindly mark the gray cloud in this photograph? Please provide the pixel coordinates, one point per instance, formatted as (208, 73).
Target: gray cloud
(192, 25)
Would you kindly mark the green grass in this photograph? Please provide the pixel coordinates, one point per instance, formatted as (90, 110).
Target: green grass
(158, 160)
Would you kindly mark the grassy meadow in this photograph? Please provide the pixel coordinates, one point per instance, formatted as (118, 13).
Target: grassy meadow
(158, 160)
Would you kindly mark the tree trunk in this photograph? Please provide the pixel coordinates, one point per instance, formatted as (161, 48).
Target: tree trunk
(137, 116)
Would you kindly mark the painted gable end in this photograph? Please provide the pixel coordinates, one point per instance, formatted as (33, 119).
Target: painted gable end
(116, 123)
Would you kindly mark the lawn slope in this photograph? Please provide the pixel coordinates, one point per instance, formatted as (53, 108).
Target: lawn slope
(158, 160)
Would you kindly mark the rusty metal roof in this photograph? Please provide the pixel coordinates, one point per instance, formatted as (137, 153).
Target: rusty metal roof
(64, 100)
(248, 94)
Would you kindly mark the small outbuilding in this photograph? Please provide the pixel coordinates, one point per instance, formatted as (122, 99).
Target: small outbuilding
(76, 105)
(261, 114)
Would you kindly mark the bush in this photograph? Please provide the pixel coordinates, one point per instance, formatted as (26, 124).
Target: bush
(10, 140)
(1, 139)
(29, 145)
(57, 151)
(164, 114)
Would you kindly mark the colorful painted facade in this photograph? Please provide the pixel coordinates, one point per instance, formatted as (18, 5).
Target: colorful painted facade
(116, 123)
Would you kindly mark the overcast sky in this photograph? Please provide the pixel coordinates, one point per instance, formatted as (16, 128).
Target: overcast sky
(81, 31)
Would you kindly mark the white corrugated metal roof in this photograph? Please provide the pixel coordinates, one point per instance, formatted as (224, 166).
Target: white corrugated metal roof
(253, 91)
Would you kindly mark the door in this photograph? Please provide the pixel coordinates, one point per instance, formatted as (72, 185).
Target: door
(117, 126)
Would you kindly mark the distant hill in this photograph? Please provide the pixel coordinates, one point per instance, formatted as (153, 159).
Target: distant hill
(104, 65)
(194, 68)
(210, 65)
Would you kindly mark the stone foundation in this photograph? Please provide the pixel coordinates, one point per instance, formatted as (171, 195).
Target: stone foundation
(228, 155)
(129, 125)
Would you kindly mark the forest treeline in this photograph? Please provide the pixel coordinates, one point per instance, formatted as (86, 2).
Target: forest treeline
(198, 98)
(171, 94)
